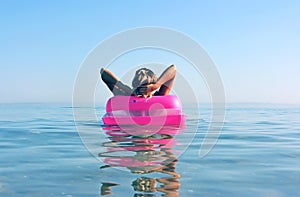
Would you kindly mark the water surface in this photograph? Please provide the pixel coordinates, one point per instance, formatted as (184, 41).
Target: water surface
(257, 154)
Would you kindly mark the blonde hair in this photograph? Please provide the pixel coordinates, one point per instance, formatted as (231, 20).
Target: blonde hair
(143, 76)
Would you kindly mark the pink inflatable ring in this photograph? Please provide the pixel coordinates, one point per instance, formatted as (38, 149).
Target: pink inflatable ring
(131, 110)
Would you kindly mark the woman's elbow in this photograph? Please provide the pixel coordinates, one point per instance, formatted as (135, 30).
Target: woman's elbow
(102, 73)
(173, 68)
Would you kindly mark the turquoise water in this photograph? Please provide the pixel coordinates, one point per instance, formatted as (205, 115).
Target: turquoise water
(257, 154)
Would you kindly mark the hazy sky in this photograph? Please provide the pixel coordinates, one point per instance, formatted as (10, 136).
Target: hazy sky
(254, 44)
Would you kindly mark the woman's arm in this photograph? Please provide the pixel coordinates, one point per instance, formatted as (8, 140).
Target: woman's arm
(164, 82)
(114, 84)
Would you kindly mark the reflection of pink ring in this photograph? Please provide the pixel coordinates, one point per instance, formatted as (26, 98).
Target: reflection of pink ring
(131, 110)
(117, 133)
(127, 131)
(131, 148)
(150, 141)
(129, 162)
(142, 143)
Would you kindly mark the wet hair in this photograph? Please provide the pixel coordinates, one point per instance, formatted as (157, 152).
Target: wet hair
(143, 76)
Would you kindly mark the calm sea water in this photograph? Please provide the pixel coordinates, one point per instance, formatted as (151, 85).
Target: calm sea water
(42, 154)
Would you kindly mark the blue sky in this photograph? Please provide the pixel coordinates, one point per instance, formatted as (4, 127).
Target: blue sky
(255, 44)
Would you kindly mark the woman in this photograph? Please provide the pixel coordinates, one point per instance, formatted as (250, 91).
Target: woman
(144, 83)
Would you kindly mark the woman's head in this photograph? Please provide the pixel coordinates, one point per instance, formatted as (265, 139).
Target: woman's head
(143, 76)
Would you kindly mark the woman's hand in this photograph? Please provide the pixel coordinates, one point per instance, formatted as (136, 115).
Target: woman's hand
(147, 90)
(151, 87)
